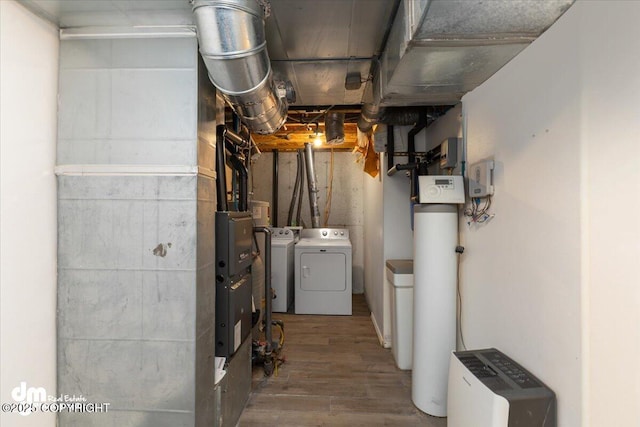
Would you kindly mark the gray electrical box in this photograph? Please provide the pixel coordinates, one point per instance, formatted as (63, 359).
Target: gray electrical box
(481, 178)
(449, 153)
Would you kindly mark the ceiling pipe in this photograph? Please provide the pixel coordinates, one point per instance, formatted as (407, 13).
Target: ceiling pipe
(369, 116)
(233, 47)
(236, 139)
(397, 116)
(312, 183)
(422, 123)
(243, 181)
(221, 172)
(274, 190)
(334, 127)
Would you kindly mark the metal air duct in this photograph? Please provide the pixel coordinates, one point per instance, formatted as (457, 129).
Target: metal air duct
(438, 50)
(234, 50)
(369, 116)
(334, 127)
(312, 183)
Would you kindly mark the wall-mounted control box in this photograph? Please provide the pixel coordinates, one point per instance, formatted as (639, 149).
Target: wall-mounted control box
(449, 153)
(441, 189)
(481, 179)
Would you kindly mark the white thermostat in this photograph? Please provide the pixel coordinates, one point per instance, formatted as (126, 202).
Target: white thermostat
(441, 189)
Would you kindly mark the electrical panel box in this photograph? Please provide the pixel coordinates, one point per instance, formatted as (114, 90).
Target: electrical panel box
(441, 189)
(481, 179)
(449, 153)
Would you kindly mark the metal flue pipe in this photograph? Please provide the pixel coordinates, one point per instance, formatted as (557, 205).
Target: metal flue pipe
(234, 49)
(296, 186)
(301, 193)
(369, 116)
(334, 127)
(312, 183)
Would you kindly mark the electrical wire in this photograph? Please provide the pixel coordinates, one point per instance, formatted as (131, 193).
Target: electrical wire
(327, 205)
(464, 346)
(478, 212)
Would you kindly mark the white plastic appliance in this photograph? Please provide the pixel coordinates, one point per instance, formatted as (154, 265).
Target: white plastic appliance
(399, 273)
(435, 238)
(282, 251)
(488, 389)
(323, 272)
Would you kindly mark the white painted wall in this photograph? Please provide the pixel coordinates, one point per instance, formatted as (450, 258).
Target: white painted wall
(387, 233)
(28, 83)
(397, 235)
(609, 42)
(374, 249)
(552, 280)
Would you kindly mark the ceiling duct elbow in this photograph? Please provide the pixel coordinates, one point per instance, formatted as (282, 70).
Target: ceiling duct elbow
(369, 116)
(233, 46)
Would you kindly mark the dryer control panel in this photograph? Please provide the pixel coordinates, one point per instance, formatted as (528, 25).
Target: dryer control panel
(325, 233)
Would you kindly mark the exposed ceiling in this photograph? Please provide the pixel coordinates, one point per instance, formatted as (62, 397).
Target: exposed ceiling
(413, 52)
(315, 44)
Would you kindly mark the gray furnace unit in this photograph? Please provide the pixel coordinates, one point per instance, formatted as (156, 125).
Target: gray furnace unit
(234, 232)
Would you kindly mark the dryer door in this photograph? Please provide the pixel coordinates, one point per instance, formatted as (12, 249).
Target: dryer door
(323, 271)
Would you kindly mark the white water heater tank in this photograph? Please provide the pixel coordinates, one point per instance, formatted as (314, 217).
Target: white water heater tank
(435, 238)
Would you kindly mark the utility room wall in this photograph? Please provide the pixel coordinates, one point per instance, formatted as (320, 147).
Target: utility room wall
(28, 83)
(346, 201)
(136, 260)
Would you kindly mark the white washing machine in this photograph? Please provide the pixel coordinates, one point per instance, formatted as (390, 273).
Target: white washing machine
(323, 272)
(282, 243)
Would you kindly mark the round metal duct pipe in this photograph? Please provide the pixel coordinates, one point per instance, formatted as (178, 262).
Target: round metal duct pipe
(234, 50)
(369, 116)
(334, 127)
(312, 183)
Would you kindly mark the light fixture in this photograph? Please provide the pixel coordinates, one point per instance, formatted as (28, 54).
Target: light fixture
(317, 141)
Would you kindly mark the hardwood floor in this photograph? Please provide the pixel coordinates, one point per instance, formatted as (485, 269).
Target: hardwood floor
(335, 374)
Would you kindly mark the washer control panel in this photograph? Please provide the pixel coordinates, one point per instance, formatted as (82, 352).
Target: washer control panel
(282, 234)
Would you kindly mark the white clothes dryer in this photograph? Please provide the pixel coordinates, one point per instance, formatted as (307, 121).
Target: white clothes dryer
(323, 263)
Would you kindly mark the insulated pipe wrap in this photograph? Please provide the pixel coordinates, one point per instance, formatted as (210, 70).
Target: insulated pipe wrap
(234, 50)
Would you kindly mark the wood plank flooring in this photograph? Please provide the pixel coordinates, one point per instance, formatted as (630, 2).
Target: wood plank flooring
(336, 374)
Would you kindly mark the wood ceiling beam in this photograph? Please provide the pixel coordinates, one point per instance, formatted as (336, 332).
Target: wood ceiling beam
(295, 136)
